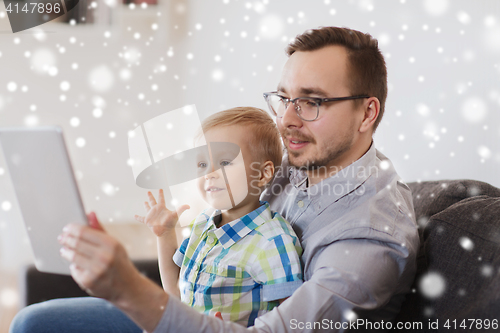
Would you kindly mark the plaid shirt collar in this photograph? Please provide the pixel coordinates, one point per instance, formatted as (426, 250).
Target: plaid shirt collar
(235, 230)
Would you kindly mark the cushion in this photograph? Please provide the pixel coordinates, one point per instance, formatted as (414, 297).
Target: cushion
(432, 197)
(460, 251)
(462, 245)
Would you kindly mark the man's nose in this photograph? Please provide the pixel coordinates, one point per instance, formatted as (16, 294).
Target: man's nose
(290, 117)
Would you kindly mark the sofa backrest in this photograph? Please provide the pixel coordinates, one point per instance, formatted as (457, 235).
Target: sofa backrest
(458, 265)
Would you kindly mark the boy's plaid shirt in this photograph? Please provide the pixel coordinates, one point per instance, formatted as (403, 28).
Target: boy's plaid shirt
(241, 269)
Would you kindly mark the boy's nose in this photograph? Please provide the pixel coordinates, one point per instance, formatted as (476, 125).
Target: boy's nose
(213, 174)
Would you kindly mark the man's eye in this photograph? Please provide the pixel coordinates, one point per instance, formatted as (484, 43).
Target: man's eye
(202, 165)
(225, 163)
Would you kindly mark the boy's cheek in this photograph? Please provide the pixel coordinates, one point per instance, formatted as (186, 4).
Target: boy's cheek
(254, 187)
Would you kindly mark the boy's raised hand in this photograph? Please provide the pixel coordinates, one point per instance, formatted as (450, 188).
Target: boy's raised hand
(158, 218)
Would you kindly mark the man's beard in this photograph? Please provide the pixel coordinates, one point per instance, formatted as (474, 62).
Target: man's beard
(330, 154)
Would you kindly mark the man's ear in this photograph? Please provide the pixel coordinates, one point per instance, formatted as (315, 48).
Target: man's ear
(371, 112)
(266, 173)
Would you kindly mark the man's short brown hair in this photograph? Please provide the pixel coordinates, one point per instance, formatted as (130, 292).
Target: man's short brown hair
(366, 66)
(263, 136)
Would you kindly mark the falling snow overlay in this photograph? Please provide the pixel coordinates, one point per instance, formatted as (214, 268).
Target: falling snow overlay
(102, 75)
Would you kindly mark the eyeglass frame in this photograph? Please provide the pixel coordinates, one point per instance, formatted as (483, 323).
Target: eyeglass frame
(317, 100)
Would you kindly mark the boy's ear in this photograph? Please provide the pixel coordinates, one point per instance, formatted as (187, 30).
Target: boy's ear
(266, 173)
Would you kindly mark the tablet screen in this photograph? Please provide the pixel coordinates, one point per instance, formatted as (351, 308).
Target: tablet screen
(46, 190)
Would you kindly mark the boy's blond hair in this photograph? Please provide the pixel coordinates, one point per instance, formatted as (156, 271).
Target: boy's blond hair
(264, 140)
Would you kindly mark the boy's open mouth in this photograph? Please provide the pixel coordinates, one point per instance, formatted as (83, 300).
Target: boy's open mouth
(214, 189)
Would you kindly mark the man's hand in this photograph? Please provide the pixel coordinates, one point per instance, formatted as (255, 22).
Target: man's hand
(158, 218)
(99, 263)
(100, 266)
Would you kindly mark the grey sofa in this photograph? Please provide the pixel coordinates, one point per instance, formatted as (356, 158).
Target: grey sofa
(459, 227)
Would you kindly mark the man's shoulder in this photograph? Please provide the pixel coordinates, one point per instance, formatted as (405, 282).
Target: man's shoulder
(381, 209)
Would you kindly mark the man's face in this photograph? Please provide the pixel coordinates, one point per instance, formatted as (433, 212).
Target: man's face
(326, 141)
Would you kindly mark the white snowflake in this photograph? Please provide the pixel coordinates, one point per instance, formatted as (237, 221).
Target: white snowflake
(74, 122)
(6, 206)
(463, 17)
(80, 142)
(466, 243)
(436, 7)
(11, 86)
(474, 109)
(432, 285)
(484, 152)
(101, 78)
(9, 298)
(108, 189)
(64, 86)
(31, 120)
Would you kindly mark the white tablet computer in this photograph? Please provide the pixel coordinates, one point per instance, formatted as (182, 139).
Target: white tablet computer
(46, 190)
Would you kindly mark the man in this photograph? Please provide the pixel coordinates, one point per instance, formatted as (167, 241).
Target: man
(353, 216)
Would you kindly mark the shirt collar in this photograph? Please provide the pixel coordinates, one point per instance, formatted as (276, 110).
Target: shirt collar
(343, 182)
(235, 230)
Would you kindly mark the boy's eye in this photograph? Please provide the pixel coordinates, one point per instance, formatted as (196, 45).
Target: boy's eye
(225, 163)
(202, 165)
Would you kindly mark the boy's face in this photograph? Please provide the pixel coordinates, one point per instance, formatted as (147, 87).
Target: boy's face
(227, 179)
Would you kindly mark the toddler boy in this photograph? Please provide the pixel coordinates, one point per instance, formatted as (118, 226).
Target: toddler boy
(241, 259)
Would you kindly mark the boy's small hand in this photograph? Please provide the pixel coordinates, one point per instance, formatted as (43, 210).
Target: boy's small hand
(158, 218)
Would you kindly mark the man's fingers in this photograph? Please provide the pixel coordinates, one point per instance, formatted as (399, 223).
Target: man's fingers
(74, 244)
(147, 206)
(86, 233)
(85, 271)
(83, 262)
(152, 200)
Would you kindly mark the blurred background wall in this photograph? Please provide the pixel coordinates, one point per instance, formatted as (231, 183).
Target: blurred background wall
(101, 77)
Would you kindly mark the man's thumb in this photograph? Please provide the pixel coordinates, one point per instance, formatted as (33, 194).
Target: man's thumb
(93, 222)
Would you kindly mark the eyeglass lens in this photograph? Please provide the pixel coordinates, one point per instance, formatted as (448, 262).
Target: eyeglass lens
(307, 109)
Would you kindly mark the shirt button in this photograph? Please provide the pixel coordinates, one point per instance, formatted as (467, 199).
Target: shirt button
(300, 204)
(210, 240)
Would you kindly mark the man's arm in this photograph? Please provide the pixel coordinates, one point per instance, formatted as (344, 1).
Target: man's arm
(349, 276)
(352, 278)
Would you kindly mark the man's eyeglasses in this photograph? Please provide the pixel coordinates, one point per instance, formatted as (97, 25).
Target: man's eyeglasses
(307, 108)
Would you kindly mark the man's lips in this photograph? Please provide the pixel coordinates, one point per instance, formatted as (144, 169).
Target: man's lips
(295, 143)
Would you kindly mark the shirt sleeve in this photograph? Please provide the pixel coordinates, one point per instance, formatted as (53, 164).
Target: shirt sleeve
(278, 267)
(180, 252)
(352, 279)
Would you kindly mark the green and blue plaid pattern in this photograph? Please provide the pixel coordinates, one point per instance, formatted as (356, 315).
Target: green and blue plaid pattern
(241, 269)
